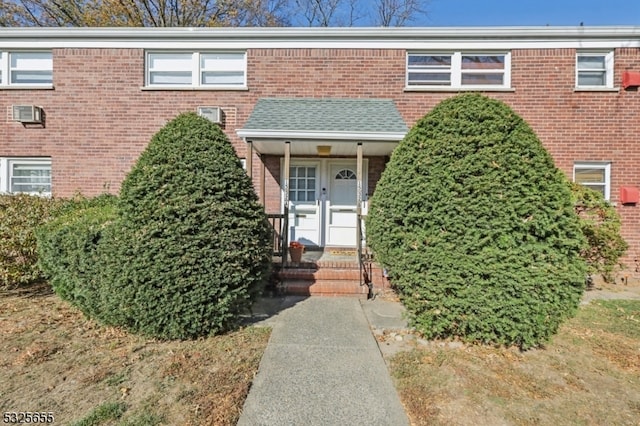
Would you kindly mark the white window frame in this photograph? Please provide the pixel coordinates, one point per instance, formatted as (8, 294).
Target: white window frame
(6, 175)
(457, 71)
(608, 70)
(197, 70)
(6, 68)
(602, 165)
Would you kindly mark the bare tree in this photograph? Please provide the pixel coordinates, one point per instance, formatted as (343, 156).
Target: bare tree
(347, 13)
(398, 13)
(206, 13)
(317, 13)
(142, 13)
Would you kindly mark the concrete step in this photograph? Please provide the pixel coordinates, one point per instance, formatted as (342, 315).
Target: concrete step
(323, 280)
(324, 288)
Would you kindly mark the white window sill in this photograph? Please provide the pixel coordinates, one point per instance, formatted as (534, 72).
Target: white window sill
(193, 88)
(26, 87)
(458, 89)
(596, 89)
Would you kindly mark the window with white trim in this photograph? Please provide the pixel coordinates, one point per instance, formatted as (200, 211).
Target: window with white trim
(32, 69)
(458, 70)
(594, 70)
(196, 69)
(25, 175)
(594, 175)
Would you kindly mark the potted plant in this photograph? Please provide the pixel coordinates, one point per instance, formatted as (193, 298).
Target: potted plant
(295, 251)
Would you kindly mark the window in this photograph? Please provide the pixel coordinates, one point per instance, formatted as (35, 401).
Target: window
(302, 184)
(25, 175)
(459, 70)
(594, 70)
(196, 69)
(26, 69)
(345, 174)
(595, 175)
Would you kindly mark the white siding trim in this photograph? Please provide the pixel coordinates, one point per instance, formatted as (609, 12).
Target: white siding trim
(442, 38)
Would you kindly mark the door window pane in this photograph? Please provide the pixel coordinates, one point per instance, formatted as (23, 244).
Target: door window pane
(302, 184)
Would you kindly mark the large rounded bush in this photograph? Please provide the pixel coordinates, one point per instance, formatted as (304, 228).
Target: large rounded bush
(190, 249)
(477, 227)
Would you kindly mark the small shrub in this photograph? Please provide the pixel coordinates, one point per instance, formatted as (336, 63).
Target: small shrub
(20, 215)
(600, 224)
(477, 227)
(67, 250)
(190, 249)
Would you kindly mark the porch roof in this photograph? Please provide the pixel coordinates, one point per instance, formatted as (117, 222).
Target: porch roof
(336, 122)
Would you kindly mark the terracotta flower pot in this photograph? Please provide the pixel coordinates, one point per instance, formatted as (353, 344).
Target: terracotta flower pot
(296, 254)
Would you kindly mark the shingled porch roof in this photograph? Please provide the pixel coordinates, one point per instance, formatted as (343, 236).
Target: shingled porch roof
(340, 123)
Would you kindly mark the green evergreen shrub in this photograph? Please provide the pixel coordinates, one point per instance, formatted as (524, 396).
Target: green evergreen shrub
(67, 250)
(477, 228)
(20, 214)
(190, 249)
(600, 224)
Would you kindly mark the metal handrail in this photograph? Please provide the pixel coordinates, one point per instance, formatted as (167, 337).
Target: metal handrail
(278, 222)
(285, 235)
(365, 267)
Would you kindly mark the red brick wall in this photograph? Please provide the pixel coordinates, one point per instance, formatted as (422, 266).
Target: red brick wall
(98, 118)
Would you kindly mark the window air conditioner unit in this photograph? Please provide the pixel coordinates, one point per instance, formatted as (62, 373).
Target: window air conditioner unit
(213, 114)
(27, 114)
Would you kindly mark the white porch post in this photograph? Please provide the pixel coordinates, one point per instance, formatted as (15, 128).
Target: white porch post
(359, 174)
(285, 184)
(249, 159)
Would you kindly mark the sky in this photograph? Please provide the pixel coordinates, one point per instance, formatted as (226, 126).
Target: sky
(531, 12)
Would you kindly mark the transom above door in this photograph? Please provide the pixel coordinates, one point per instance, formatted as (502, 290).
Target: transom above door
(322, 201)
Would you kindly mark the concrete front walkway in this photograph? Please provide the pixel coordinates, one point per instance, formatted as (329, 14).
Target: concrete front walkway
(322, 366)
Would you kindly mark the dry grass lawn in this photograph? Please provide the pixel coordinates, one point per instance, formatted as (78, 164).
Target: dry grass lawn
(55, 360)
(588, 375)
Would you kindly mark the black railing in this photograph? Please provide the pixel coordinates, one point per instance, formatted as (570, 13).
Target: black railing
(364, 257)
(278, 222)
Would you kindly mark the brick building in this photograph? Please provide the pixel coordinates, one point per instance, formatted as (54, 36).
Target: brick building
(82, 103)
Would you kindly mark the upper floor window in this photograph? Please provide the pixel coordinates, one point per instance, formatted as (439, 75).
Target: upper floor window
(26, 69)
(594, 175)
(25, 175)
(594, 70)
(196, 69)
(459, 70)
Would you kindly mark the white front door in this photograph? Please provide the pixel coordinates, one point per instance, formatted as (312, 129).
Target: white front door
(304, 203)
(341, 209)
(322, 202)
